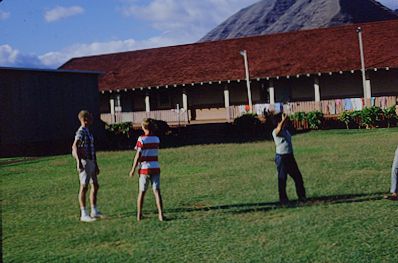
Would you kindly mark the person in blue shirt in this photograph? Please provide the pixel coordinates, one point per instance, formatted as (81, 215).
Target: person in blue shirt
(285, 161)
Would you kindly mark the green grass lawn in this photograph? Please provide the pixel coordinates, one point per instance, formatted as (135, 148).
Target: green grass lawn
(220, 201)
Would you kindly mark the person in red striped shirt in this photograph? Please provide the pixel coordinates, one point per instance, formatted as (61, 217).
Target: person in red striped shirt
(146, 160)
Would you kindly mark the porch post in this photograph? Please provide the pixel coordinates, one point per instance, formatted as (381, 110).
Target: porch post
(317, 94)
(147, 103)
(184, 100)
(226, 102)
(368, 101)
(317, 90)
(185, 105)
(271, 90)
(112, 106)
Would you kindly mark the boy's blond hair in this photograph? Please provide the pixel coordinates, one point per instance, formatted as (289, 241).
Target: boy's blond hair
(147, 124)
(83, 114)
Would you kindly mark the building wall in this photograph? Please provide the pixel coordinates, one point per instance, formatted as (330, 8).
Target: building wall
(346, 85)
(384, 83)
(39, 110)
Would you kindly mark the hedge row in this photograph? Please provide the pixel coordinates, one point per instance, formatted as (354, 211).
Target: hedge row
(370, 117)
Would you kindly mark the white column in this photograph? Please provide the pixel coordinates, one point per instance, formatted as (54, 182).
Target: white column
(271, 90)
(368, 89)
(226, 97)
(226, 102)
(112, 106)
(185, 100)
(317, 90)
(147, 104)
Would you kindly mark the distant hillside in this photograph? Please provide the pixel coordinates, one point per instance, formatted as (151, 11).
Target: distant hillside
(274, 16)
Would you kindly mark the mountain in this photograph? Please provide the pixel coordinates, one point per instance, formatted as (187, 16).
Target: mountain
(275, 16)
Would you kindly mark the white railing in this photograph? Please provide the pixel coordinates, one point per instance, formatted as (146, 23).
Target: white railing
(174, 117)
(170, 116)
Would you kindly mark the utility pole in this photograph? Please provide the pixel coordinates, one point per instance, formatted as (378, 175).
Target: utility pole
(249, 93)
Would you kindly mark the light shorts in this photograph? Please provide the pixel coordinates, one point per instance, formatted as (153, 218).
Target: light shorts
(88, 175)
(145, 179)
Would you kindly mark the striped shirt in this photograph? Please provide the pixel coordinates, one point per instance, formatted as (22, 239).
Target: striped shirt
(148, 148)
(85, 143)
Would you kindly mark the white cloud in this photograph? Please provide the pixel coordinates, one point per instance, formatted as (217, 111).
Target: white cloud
(8, 55)
(11, 57)
(4, 15)
(180, 22)
(57, 58)
(190, 19)
(61, 12)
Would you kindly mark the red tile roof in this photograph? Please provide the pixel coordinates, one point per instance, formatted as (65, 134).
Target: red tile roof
(303, 52)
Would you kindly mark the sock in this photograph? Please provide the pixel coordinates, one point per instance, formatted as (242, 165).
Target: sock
(94, 210)
(83, 211)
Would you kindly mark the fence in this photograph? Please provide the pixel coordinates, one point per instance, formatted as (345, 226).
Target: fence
(181, 117)
(170, 116)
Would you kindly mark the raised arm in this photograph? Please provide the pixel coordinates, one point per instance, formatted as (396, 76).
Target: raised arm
(281, 124)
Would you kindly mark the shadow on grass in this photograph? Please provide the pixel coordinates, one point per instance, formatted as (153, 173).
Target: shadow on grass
(20, 161)
(175, 213)
(266, 206)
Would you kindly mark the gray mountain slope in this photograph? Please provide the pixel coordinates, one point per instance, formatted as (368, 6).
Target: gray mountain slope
(275, 16)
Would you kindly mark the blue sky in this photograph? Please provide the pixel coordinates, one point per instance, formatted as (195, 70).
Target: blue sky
(46, 33)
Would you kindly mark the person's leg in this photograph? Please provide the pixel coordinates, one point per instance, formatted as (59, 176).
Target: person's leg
(282, 178)
(155, 179)
(82, 199)
(159, 203)
(143, 186)
(93, 199)
(295, 173)
(394, 175)
(84, 180)
(140, 202)
(90, 169)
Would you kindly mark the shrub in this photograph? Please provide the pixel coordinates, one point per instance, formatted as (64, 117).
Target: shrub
(299, 120)
(390, 115)
(370, 116)
(121, 129)
(298, 116)
(247, 125)
(161, 128)
(349, 118)
(315, 119)
(346, 117)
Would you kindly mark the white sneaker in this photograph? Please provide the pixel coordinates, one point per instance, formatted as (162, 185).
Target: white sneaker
(87, 219)
(96, 214)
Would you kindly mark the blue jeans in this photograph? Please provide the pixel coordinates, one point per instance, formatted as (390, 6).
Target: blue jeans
(394, 173)
(286, 164)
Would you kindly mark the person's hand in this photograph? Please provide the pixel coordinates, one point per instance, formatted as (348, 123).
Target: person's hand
(132, 172)
(97, 170)
(285, 117)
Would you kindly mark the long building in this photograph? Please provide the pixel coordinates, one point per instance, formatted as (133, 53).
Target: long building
(206, 82)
